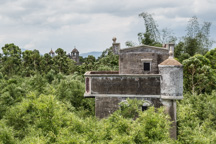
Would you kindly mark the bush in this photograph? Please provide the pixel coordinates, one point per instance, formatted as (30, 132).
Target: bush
(197, 118)
(73, 91)
(44, 113)
(6, 134)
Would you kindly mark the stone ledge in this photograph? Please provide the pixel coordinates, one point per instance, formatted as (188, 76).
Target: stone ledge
(121, 75)
(171, 97)
(119, 95)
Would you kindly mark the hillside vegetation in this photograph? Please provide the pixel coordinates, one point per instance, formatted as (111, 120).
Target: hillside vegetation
(41, 97)
(42, 101)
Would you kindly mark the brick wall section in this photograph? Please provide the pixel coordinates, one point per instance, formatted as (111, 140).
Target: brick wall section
(130, 59)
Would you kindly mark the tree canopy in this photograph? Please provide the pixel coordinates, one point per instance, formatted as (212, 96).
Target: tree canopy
(41, 97)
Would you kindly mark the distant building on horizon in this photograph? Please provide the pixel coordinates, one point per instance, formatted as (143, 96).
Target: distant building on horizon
(74, 55)
(52, 53)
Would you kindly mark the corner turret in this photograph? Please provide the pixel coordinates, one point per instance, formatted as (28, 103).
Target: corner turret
(171, 87)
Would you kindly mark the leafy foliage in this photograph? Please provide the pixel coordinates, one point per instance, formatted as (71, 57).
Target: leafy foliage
(211, 55)
(42, 101)
(152, 35)
(199, 77)
(196, 41)
(11, 59)
(108, 61)
(47, 119)
(196, 118)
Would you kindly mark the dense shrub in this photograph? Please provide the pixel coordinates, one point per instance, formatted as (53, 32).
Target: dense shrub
(197, 118)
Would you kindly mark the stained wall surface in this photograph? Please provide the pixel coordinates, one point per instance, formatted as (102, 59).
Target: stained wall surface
(131, 59)
(149, 85)
(171, 81)
(104, 106)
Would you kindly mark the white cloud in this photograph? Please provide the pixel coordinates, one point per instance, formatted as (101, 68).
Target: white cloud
(91, 24)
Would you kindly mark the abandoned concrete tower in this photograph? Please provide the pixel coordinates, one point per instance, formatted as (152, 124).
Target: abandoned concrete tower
(145, 72)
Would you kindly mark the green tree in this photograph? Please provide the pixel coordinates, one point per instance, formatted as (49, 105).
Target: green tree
(211, 55)
(27, 63)
(167, 36)
(36, 60)
(31, 62)
(197, 36)
(196, 119)
(62, 63)
(130, 44)
(47, 63)
(6, 134)
(152, 34)
(11, 60)
(11, 93)
(196, 41)
(199, 77)
(72, 91)
(90, 62)
(108, 61)
(43, 115)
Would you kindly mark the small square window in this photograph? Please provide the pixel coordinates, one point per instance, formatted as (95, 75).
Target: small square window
(146, 66)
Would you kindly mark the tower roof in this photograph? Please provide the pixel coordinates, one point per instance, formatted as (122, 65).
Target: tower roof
(51, 52)
(75, 50)
(171, 61)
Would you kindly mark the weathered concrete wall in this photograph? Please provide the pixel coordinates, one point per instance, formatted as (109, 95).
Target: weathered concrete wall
(104, 106)
(104, 85)
(171, 89)
(128, 85)
(130, 60)
(144, 49)
(170, 109)
(130, 63)
(171, 82)
(156, 102)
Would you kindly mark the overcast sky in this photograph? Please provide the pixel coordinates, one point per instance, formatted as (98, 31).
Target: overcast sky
(90, 25)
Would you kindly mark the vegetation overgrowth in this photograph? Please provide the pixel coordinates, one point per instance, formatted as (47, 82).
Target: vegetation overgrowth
(41, 100)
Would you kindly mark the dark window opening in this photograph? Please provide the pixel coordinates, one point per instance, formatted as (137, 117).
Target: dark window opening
(146, 66)
(144, 108)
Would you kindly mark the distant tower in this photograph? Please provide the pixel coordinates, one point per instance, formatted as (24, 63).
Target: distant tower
(75, 55)
(51, 53)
